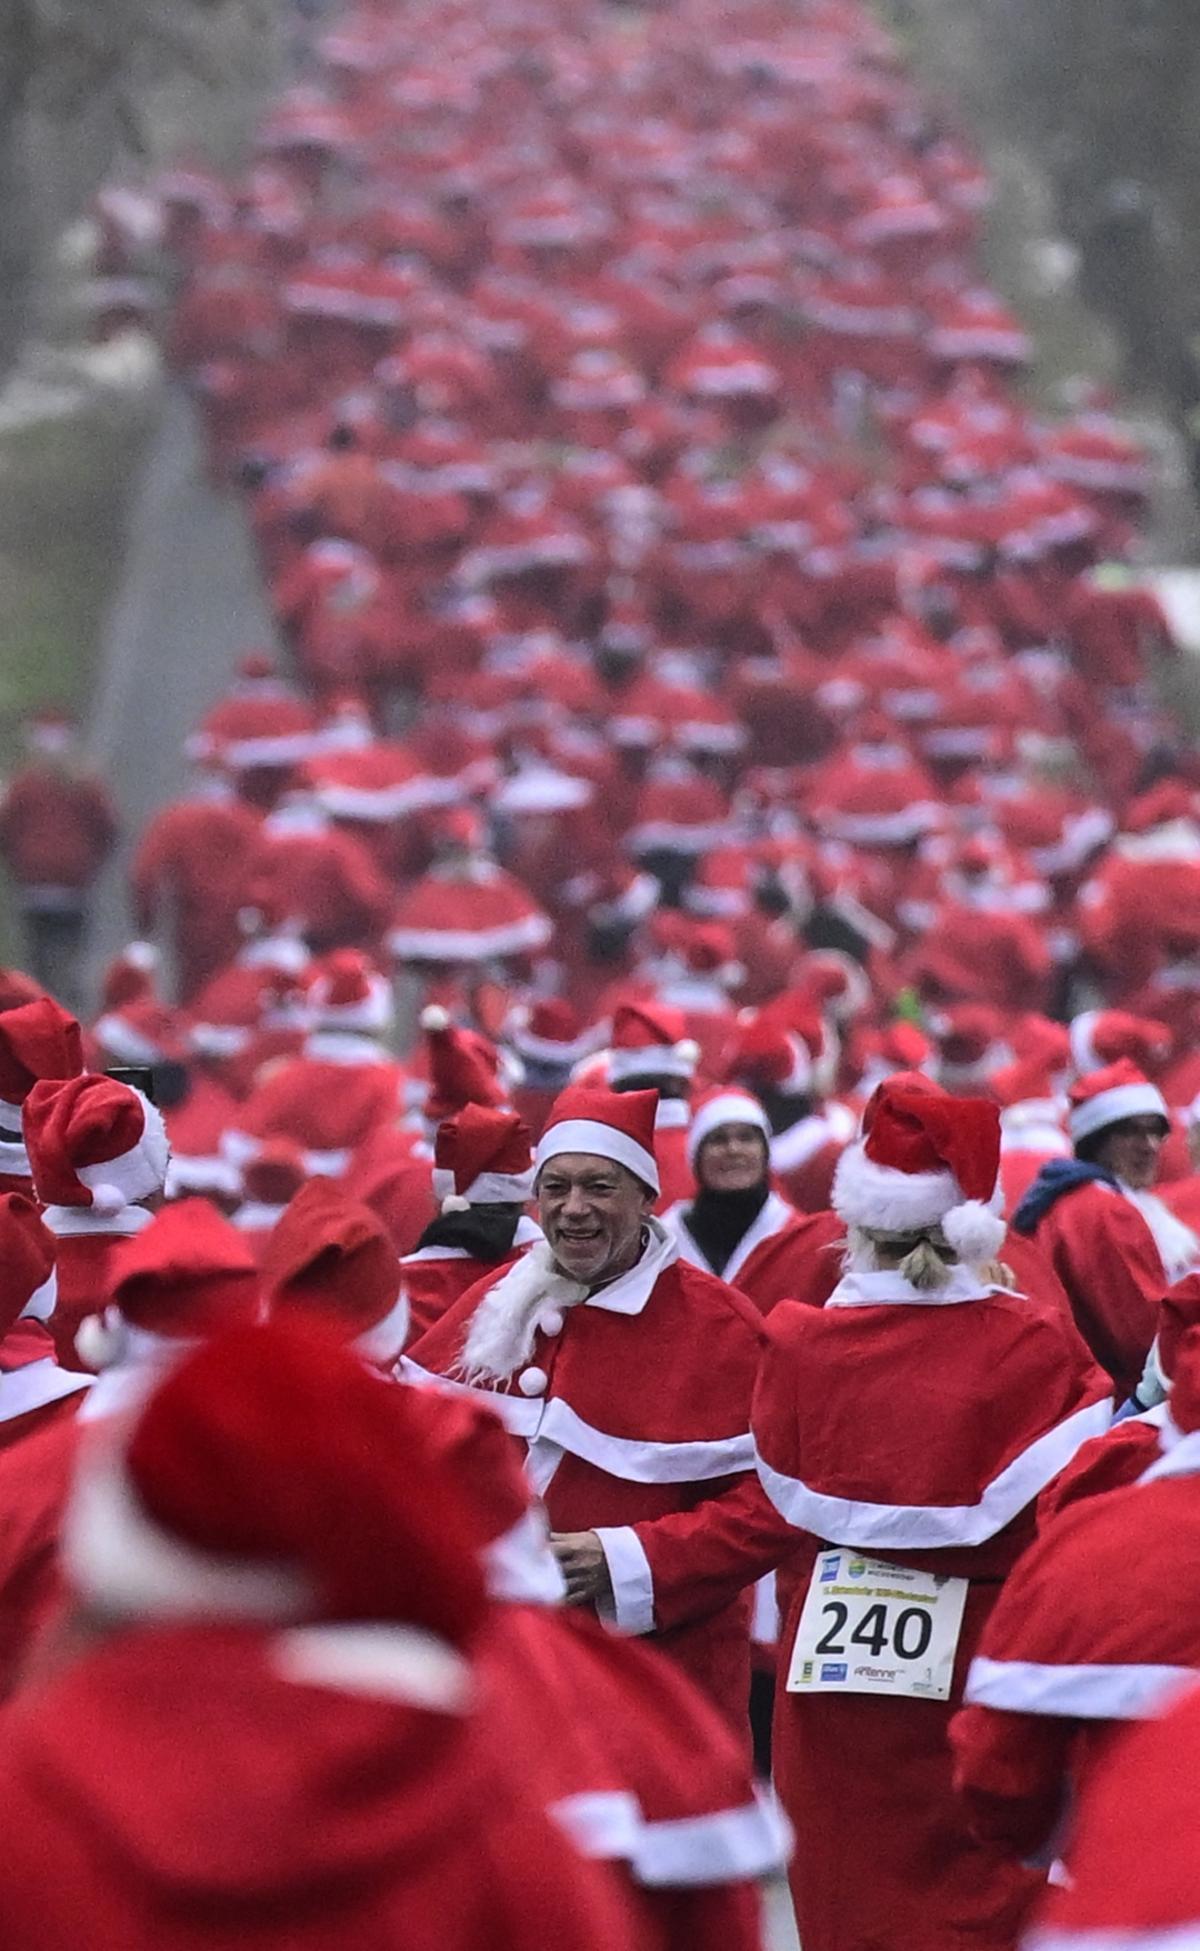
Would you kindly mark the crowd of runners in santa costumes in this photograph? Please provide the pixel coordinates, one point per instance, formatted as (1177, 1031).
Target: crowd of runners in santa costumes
(648, 1127)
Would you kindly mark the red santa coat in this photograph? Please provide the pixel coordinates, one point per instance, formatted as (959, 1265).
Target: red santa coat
(38, 1405)
(635, 1417)
(329, 1101)
(193, 857)
(804, 1157)
(1099, 1625)
(1135, 1866)
(1118, 1458)
(776, 1219)
(642, 1773)
(924, 1459)
(414, 1828)
(435, 1277)
(55, 831)
(1104, 1254)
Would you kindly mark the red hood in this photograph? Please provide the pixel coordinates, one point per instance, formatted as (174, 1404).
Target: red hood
(189, 1756)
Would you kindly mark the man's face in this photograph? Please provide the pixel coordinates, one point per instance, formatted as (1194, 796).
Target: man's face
(592, 1212)
(733, 1158)
(1131, 1151)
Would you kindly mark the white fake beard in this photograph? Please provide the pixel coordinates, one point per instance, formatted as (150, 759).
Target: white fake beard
(1176, 1243)
(503, 1327)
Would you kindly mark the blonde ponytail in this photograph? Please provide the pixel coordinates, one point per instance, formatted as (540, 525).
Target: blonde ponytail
(924, 1268)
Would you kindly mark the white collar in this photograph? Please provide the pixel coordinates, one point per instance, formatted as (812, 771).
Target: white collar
(882, 1288)
(772, 1217)
(14, 1159)
(35, 1385)
(67, 1222)
(629, 1293)
(1180, 1454)
(345, 1047)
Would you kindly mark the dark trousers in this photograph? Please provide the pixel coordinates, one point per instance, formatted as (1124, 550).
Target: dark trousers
(55, 939)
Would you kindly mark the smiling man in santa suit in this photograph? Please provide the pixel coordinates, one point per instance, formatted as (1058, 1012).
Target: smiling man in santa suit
(628, 1375)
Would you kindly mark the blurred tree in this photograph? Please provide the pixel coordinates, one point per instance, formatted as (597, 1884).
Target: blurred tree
(82, 83)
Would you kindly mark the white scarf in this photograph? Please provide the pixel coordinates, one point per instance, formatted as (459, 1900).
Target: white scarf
(1176, 1243)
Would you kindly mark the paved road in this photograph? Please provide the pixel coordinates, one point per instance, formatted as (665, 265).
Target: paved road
(188, 601)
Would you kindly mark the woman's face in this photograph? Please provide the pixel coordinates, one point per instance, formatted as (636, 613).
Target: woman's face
(733, 1158)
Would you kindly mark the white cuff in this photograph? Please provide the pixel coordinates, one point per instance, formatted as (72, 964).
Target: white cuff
(631, 1608)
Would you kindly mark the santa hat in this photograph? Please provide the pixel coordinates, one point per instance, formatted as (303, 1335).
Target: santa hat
(464, 1066)
(275, 1174)
(550, 1033)
(603, 1124)
(971, 1044)
(94, 1142)
(926, 1159)
(16, 989)
(650, 1040)
(1103, 1036)
(346, 993)
(482, 1156)
(28, 1283)
(129, 977)
(332, 1257)
(777, 1054)
(1107, 1097)
(143, 1032)
(182, 1278)
(270, 1477)
(724, 1106)
(40, 1039)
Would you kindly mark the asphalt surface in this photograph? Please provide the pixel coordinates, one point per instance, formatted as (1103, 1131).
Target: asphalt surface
(188, 601)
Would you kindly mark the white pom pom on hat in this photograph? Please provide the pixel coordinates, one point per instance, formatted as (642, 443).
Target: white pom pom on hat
(926, 1159)
(974, 1231)
(434, 1018)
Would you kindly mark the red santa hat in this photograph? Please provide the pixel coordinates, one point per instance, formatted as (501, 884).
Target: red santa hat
(129, 977)
(40, 1039)
(144, 1032)
(1103, 1036)
(482, 1156)
(550, 1032)
(779, 1052)
(50, 731)
(464, 1066)
(332, 1257)
(926, 1159)
(347, 993)
(1107, 1097)
(650, 1040)
(603, 1124)
(28, 1283)
(275, 1174)
(94, 1142)
(724, 1106)
(182, 1278)
(269, 1477)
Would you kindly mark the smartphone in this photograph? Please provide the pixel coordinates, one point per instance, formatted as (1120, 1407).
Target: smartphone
(140, 1076)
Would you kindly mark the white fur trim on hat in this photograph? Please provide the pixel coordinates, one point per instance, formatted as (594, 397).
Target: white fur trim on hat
(589, 1137)
(117, 1556)
(731, 1108)
(1111, 1107)
(887, 1201)
(490, 1188)
(43, 1300)
(654, 1060)
(136, 1173)
(385, 1341)
(1084, 1054)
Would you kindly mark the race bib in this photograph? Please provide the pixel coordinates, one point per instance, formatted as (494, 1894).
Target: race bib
(872, 1628)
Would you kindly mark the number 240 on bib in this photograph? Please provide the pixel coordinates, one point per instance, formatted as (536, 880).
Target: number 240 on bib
(872, 1628)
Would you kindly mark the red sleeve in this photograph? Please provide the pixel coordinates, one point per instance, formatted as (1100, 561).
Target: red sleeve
(1104, 1254)
(1011, 1770)
(701, 1559)
(151, 865)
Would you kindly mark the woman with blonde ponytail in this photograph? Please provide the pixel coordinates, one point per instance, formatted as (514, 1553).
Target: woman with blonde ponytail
(905, 1431)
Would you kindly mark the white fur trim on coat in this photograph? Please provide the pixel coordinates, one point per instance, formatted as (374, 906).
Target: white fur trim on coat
(1125, 1692)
